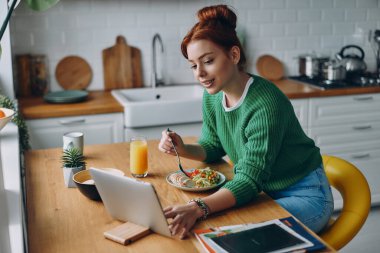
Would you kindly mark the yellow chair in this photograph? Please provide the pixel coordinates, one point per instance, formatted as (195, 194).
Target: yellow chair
(353, 187)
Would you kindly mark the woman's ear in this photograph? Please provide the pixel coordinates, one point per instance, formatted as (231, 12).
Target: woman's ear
(235, 54)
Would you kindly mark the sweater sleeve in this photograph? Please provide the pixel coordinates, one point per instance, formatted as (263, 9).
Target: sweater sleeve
(264, 133)
(209, 139)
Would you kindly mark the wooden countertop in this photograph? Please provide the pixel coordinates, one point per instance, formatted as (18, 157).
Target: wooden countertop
(61, 219)
(294, 89)
(103, 101)
(98, 102)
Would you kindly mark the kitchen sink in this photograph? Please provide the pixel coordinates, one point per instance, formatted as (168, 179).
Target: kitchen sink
(146, 107)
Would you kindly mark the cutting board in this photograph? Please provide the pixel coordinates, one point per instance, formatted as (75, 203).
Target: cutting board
(122, 66)
(270, 67)
(73, 73)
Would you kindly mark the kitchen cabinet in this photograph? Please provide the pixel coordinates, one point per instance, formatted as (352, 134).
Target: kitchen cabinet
(349, 127)
(154, 132)
(301, 107)
(97, 129)
(12, 221)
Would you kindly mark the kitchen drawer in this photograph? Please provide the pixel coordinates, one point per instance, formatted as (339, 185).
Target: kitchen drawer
(347, 137)
(344, 109)
(367, 161)
(152, 133)
(97, 129)
(301, 107)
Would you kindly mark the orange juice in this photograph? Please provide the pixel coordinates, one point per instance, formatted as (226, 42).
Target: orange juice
(139, 157)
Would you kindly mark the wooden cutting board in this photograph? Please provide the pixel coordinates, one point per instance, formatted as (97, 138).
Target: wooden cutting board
(122, 66)
(270, 67)
(73, 73)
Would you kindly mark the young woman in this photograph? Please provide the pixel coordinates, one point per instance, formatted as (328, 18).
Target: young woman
(252, 121)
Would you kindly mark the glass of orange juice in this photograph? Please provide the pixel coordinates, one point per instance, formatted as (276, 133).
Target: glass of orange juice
(139, 157)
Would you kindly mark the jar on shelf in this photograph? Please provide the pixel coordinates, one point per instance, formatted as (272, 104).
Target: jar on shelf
(39, 75)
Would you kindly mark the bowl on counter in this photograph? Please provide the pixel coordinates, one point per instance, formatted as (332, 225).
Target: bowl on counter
(5, 116)
(86, 184)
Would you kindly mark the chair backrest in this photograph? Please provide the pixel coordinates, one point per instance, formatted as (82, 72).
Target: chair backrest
(353, 187)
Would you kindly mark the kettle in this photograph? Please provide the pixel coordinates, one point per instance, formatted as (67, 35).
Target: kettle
(354, 63)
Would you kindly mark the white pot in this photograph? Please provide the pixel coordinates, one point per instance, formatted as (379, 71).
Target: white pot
(68, 175)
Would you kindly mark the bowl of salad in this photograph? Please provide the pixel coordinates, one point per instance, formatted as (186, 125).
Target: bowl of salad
(201, 179)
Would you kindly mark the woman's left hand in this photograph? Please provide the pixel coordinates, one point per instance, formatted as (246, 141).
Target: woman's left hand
(184, 217)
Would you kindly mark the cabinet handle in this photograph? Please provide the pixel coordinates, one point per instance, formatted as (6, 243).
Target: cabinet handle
(362, 127)
(363, 98)
(360, 156)
(74, 121)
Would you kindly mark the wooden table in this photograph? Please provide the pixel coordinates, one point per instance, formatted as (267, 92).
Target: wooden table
(61, 219)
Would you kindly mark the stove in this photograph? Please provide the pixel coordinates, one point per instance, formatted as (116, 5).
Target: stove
(323, 84)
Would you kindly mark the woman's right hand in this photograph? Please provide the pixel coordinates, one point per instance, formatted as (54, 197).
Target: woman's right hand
(166, 146)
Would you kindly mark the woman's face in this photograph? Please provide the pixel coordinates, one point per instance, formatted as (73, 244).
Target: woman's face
(211, 65)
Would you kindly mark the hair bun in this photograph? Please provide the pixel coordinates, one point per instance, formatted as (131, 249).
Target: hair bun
(218, 13)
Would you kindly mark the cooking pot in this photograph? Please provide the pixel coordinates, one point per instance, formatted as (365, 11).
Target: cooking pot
(311, 65)
(333, 71)
(353, 63)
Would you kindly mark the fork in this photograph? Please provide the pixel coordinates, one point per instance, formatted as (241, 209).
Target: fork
(179, 160)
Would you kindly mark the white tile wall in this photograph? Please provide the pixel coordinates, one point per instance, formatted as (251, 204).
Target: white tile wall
(284, 28)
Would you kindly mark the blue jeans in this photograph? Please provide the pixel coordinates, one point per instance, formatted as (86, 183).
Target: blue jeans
(309, 200)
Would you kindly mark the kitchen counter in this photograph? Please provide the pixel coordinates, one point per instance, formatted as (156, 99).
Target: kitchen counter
(294, 89)
(103, 102)
(98, 102)
(61, 219)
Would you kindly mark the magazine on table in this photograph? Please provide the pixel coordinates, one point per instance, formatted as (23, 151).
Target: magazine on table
(277, 236)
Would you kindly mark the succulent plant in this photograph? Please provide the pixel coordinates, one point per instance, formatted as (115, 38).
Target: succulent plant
(73, 158)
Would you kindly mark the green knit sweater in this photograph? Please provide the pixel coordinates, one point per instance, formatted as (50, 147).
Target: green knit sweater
(262, 137)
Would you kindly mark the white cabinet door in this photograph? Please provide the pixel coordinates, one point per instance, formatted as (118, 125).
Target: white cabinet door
(151, 133)
(367, 161)
(344, 109)
(347, 137)
(301, 107)
(349, 127)
(97, 129)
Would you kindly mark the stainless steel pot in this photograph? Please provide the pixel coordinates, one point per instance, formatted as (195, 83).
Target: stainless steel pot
(333, 71)
(307, 66)
(311, 65)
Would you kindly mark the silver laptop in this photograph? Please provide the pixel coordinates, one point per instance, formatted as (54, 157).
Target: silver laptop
(128, 199)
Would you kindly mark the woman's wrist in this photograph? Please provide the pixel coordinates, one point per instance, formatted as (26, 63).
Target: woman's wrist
(194, 151)
(196, 209)
(202, 210)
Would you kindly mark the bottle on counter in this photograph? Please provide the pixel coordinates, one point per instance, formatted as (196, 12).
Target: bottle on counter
(39, 75)
(32, 75)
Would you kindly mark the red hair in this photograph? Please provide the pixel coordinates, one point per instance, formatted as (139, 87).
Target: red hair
(217, 24)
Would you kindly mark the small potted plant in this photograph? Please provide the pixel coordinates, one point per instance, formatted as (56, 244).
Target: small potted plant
(73, 161)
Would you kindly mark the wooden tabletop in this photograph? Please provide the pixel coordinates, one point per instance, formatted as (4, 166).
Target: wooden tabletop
(61, 219)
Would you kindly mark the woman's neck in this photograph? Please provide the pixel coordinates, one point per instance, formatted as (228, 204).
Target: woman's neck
(235, 89)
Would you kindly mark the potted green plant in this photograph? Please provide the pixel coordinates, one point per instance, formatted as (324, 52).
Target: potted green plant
(73, 161)
(6, 102)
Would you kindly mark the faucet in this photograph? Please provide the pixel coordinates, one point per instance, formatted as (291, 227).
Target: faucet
(155, 81)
